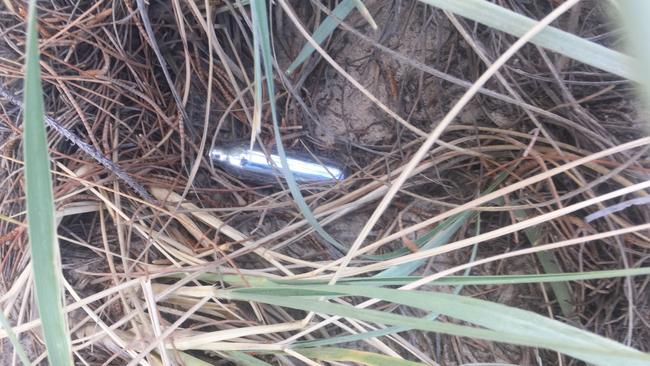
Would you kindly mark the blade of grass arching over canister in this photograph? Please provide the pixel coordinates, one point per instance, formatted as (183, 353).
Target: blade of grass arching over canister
(259, 17)
(46, 262)
(551, 38)
(256, 126)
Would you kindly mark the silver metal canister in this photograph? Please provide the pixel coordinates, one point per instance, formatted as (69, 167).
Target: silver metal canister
(254, 165)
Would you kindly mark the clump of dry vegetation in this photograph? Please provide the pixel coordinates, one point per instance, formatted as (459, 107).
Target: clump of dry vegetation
(162, 251)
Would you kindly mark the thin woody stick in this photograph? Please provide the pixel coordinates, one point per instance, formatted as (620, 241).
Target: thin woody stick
(87, 148)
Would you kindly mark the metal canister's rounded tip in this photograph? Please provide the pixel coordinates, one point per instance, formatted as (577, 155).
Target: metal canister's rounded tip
(218, 154)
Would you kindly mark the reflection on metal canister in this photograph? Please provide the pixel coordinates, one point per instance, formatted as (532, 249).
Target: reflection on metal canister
(255, 165)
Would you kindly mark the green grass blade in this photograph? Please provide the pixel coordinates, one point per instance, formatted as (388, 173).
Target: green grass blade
(348, 338)
(241, 358)
(427, 240)
(441, 238)
(228, 7)
(435, 237)
(397, 329)
(237, 280)
(323, 31)
(502, 323)
(20, 351)
(635, 23)
(256, 126)
(506, 21)
(550, 38)
(440, 235)
(362, 314)
(350, 355)
(260, 19)
(189, 360)
(561, 290)
(40, 208)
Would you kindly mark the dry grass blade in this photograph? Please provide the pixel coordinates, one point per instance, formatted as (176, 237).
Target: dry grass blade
(489, 197)
(151, 37)
(435, 134)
